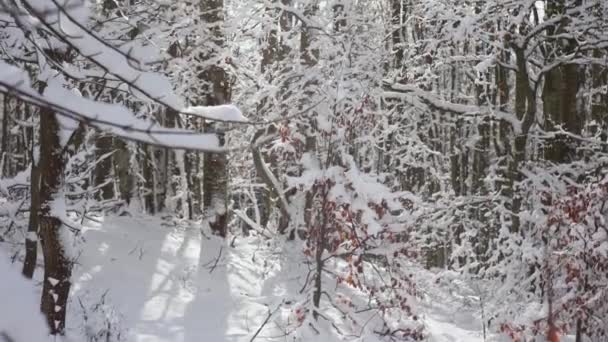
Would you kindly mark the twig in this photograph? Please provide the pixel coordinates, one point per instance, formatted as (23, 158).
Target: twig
(219, 256)
(270, 313)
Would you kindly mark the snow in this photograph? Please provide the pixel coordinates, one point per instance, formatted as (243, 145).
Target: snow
(228, 113)
(19, 309)
(171, 287)
(174, 284)
(52, 281)
(148, 279)
(122, 64)
(32, 236)
(20, 179)
(485, 64)
(449, 332)
(112, 118)
(67, 126)
(423, 99)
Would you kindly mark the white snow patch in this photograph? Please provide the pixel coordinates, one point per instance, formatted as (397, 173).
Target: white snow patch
(220, 113)
(19, 309)
(32, 236)
(52, 281)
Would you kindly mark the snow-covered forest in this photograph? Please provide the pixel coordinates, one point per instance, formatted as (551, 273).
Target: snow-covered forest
(303, 170)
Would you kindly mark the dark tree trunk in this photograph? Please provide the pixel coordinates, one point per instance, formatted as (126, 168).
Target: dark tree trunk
(149, 199)
(4, 145)
(320, 237)
(189, 183)
(525, 110)
(197, 184)
(57, 266)
(31, 239)
(122, 170)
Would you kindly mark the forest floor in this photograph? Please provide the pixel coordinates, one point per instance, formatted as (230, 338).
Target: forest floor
(159, 282)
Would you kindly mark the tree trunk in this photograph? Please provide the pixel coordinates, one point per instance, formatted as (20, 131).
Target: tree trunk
(103, 169)
(217, 92)
(525, 110)
(57, 265)
(189, 182)
(172, 164)
(31, 239)
(122, 170)
(321, 238)
(215, 185)
(309, 58)
(274, 52)
(149, 198)
(4, 145)
(560, 95)
(197, 184)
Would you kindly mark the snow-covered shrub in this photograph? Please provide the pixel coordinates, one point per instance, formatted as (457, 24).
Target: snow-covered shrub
(101, 322)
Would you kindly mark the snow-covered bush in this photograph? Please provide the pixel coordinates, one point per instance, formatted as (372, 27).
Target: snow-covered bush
(100, 320)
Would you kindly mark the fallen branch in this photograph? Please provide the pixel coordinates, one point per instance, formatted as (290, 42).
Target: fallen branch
(270, 313)
(219, 256)
(261, 230)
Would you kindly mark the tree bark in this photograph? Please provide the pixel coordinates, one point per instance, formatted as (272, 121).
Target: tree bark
(560, 95)
(31, 239)
(215, 184)
(525, 110)
(149, 198)
(274, 52)
(309, 58)
(122, 170)
(266, 176)
(57, 265)
(217, 92)
(103, 169)
(4, 145)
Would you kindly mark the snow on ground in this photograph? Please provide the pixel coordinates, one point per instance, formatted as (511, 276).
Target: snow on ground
(450, 307)
(222, 113)
(19, 318)
(171, 283)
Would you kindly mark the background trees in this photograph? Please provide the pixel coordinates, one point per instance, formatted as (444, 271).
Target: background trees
(382, 136)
